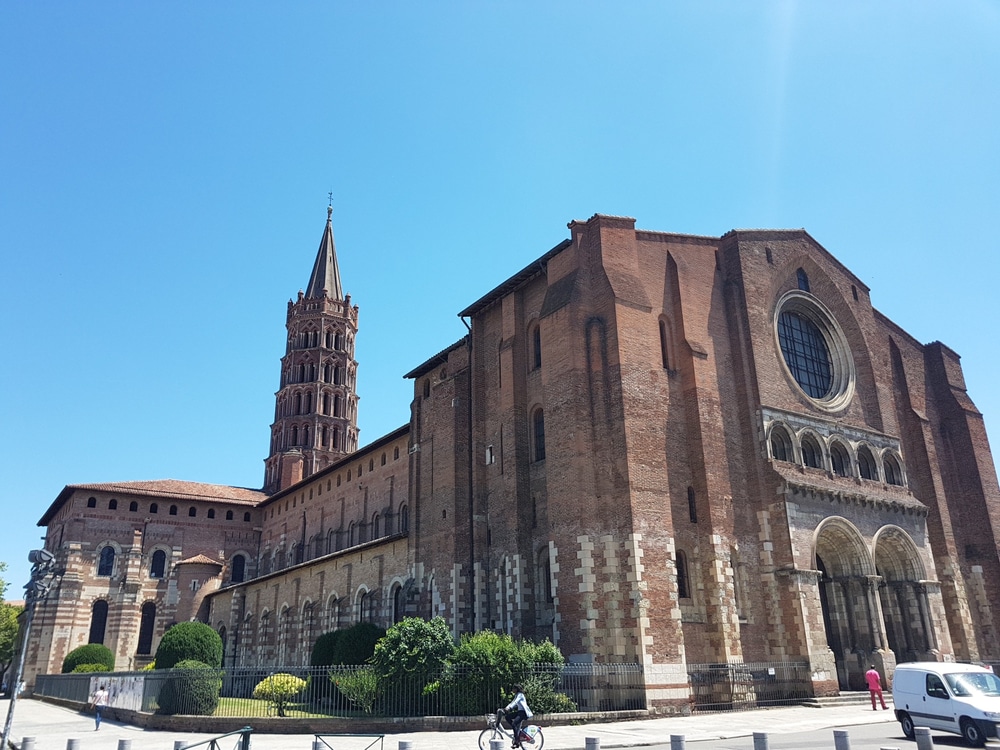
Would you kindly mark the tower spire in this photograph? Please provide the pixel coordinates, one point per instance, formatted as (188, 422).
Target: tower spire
(315, 414)
(325, 276)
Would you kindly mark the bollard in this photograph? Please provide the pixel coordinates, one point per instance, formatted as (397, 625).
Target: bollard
(760, 741)
(923, 737)
(179, 744)
(841, 739)
(72, 744)
(124, 744)
(405, 745)
(677, 742)
(318, 744)
(592, 743)
(28, 743)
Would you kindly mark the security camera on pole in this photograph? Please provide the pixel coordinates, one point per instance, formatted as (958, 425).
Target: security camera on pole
(42, 563)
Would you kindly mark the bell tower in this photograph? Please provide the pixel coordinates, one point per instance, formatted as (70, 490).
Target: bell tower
(316, 406)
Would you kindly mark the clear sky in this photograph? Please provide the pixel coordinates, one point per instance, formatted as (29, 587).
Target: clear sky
(164, 170)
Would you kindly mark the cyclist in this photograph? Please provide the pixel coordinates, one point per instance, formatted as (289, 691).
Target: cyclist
(517, 712)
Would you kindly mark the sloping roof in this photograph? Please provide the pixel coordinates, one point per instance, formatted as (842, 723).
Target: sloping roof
(526, 273)
(200, 560)
(166, 488)
(440, 358)
(326, 272)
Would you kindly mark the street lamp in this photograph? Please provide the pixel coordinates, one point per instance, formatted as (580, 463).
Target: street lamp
(42, 562)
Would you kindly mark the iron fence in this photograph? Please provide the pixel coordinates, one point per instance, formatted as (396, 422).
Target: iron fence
(346, 692)
(746, 685)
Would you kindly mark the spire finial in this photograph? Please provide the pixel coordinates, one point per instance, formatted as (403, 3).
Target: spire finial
(329, 208)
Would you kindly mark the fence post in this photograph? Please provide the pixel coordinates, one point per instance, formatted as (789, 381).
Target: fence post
(28, 743)
(405, 745)
(317, 744)
(245, 738)
(841, 739)
(72, 744)
(760, 741)
(124, 744)
(923, 737)
(677, 742)
(179, 744)
(592, 743)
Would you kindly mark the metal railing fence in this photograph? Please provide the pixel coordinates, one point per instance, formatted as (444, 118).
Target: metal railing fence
(747, 685)
(462, 690)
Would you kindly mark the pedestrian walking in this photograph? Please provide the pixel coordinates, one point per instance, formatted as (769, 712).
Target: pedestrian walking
(874, 680)
(99, 701)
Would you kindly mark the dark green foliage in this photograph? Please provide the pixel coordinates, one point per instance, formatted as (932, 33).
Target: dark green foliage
(414, 648)
(194, 641)
(356, 644)
(92, 653)
(191, 689)
(324, 649)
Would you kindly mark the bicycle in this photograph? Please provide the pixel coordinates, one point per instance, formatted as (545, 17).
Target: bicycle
(531, 734)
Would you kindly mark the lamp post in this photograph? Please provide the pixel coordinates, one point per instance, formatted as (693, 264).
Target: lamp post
(41, 568)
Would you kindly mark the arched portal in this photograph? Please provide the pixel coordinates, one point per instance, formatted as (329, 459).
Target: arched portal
(847, 598)
(903, 596)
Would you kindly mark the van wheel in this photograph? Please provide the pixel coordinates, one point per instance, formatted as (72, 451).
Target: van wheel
(907, 724)
(972, 733)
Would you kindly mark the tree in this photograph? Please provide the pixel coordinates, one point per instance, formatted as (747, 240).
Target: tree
(8, 633)
(3, 581)
(189, 641)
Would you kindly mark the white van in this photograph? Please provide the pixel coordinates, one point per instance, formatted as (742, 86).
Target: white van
(958, 698)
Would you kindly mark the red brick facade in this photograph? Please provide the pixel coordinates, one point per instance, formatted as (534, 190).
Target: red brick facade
(650, 448)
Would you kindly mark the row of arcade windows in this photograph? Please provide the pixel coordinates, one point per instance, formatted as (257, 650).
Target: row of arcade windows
(836, 457)
(154, 509)
(147, 625)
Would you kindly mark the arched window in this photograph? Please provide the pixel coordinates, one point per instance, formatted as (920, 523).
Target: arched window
(397, 604)
(692, 505)
(371, 464)
(365, 607)
(246, 517)
(154, 508)
(666, 345)
(91, 502)
(538, 423)
(350, 535)
(802, 278)
(781, 444)
(383, 459)
(893, 472)
(840, 459)
(147, 623)
(427, 388)
(133, 507)
(812, 454)
(376, 526)
(866, 463)
(404, 518)
(211, 512)
(106, 562)
(158, 564)
(112, 504)
(192, 511)
(229, 515)
(683, 582)
(173, 510)
(395, 453)
(98, 621)
(238, 567)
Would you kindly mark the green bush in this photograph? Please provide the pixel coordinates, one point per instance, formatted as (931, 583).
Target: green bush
(361, 687)
(92, 653)
(356, 644)
(89, 668)
(189, 641)
(191, 689)
(414, 648)
(324, 649)
(279, 689)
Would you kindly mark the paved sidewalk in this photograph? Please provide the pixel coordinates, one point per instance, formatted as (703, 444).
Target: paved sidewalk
(52, 726)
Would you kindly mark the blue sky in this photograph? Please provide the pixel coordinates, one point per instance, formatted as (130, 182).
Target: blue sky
(164, 170)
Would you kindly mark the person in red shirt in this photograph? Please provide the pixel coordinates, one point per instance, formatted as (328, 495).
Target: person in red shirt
(874, 680)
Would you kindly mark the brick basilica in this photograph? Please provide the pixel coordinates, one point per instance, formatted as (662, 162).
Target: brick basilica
(651, 448)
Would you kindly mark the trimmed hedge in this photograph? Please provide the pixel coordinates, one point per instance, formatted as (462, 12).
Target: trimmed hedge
(192, 689)
(92, 653)
(189, 641)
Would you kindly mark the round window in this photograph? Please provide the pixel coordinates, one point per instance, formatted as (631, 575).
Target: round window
(814, 350)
